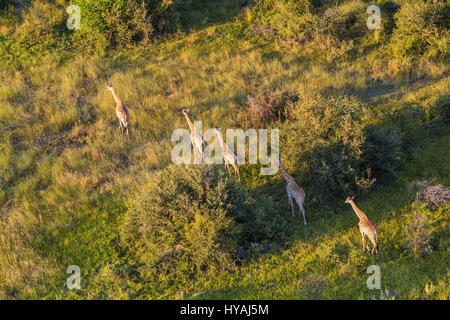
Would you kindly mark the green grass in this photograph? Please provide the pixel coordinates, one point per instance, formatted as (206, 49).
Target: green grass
(67, 177)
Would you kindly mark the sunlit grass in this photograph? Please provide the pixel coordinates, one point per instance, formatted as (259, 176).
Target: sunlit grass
(67, 175)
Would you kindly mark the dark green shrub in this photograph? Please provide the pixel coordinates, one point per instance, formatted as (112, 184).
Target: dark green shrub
(5, 3)
(167, 16)
(443, 109)
(421, 29)
(384, 150)
(121, 21)
(342, 25)
(388, 9)
(130, 21)
(129, 24)
(189, 220)
(326, 141)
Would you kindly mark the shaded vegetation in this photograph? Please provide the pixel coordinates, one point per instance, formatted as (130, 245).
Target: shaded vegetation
(189, 221)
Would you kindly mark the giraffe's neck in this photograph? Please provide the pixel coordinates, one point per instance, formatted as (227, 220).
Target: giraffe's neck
(191, 125)
(219, 134)
(358, 212)
(116, 98)
(285, 174)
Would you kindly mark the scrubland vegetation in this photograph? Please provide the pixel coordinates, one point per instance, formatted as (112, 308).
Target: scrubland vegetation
(363, 112)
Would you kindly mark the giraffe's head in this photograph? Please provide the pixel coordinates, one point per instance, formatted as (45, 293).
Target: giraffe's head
(349, 199)
(109, 87)
(184, 111)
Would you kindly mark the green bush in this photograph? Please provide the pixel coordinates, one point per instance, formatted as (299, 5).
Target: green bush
(263, 109)
(120, 22)
(326, 140)
(189, 220)
(104, 23)
(421, 29)
(357, 259)
(287, 18)
(418, 233)
(384, 150)
(299, 6)
(167, 15)
(130, 21)
(342, 24)
(5, 3)
(443, 109)
(43, 20)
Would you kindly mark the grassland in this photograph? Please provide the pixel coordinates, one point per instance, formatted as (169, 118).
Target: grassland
(68, 178)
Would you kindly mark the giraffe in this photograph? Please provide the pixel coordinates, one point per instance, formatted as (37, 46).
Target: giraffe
(121, 111)
(293, 191)
(365, 227)
(229, 156)
(196, 137)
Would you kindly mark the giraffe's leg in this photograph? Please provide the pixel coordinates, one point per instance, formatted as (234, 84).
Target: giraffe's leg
(303, 212)
(291, 204)
(120, 126)
(236, 170)
(194, 148)
(200, 150)
(375, 246)
(363, 241)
